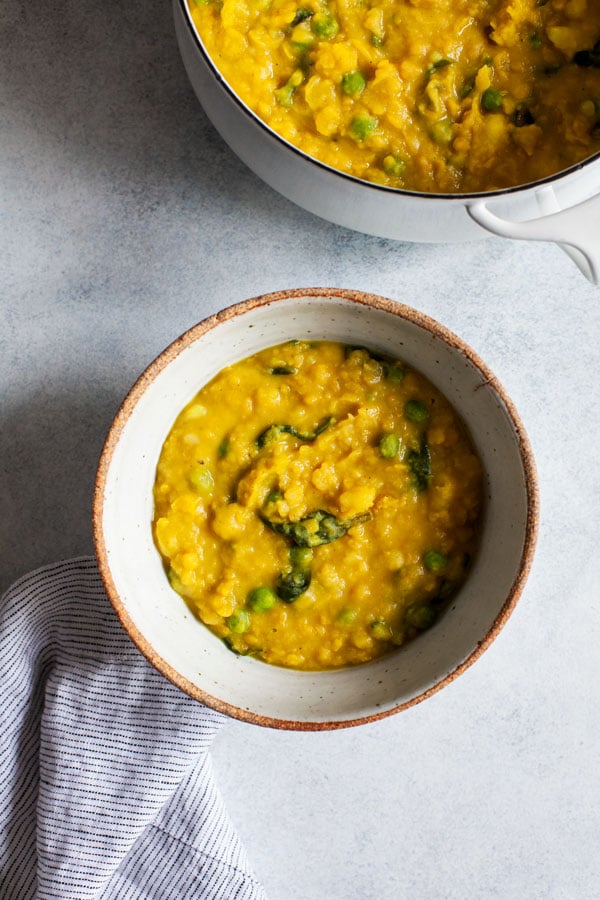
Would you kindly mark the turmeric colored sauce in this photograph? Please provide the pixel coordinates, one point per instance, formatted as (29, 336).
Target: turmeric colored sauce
(426, 95)
(316, 505)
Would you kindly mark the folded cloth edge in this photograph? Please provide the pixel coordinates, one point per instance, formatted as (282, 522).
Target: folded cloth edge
(92, 761)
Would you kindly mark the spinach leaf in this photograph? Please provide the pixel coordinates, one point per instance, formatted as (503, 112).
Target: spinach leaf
(293, 584)
(419, 462)
(274, 432)
(304, 534)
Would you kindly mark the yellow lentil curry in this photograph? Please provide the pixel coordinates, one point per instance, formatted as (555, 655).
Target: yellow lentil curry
(427, 95)
(317, 504)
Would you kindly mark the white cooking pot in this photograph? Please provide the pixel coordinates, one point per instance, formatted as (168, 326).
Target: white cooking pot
(564, 208)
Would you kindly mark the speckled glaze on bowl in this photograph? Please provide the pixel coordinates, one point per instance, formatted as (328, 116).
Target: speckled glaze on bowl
(157, 619)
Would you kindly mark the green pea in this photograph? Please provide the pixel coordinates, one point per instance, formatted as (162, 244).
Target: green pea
(434, 561)
(261, 599)
(324, 25)
(285, 95)
(201, 478)
(301, 557)
(223, 449)
(353, 83)
(381, 631)
(389, 445)
(442, 131)
(420, 616)
(239, 621)
(393, 165)
(273, 497)
(347, 616)
(362, 126)
(588, 108)
(491, 100)
(416, 411)
(395, 372)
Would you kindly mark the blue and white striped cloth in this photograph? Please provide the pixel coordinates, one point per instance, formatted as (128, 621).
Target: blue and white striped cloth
(105, 777)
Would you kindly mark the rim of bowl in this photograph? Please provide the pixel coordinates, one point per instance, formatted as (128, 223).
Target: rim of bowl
(475, 195)
(189, 337)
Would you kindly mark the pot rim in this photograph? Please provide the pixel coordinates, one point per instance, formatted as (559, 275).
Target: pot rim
(189, 337)
(422, 195)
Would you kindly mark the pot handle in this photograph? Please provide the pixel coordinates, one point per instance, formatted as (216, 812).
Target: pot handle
(576, 230)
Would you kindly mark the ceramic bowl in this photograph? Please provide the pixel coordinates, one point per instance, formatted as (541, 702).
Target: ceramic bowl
(157, 619)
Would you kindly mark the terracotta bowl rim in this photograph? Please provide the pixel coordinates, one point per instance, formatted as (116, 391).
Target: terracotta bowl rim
(193, 334)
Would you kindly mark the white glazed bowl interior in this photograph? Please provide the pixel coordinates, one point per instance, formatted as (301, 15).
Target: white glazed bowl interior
(179, 645)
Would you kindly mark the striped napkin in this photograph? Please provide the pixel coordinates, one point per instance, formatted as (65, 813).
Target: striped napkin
(105, 776)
